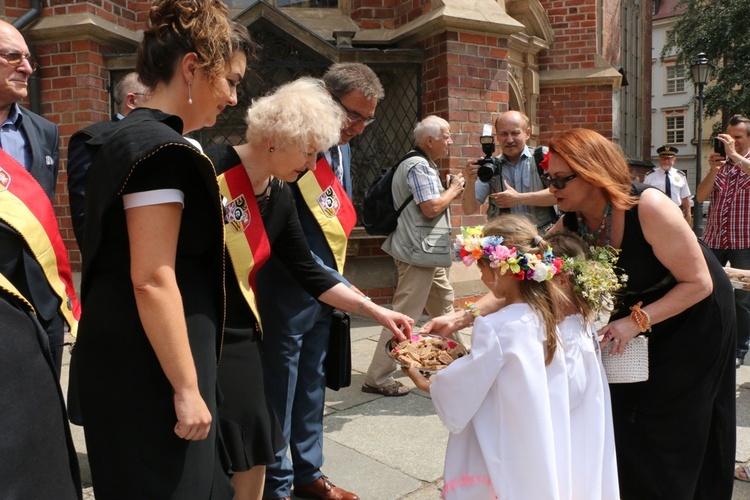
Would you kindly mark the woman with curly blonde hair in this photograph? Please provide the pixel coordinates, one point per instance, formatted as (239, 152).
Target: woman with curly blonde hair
(286, 130)
(152, 283)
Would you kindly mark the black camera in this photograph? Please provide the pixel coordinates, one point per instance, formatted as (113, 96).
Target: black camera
(487, 164)
(719, 147)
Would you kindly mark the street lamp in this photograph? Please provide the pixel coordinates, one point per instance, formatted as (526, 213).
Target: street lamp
(700, 69)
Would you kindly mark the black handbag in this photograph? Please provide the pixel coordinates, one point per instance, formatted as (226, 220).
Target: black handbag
(338, 363)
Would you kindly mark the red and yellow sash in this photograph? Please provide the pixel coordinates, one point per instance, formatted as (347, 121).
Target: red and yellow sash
(26, 208)
(246, 237)
(331, 207)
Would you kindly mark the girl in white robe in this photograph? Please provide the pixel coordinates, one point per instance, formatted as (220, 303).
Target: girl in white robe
(506, 403)
(587, 281)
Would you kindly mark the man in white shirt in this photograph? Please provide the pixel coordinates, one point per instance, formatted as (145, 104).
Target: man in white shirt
(671, 181)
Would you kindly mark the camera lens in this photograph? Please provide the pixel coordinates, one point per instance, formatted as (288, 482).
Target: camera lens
(485, 173)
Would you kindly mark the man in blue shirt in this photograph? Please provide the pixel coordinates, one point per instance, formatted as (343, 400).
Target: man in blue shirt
(515, 186)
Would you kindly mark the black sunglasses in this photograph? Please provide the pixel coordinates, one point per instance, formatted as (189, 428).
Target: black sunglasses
(557, 183)
(352, 115)
(16, 58)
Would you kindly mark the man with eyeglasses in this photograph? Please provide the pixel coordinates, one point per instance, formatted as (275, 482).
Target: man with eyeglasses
(420, 245)
(516, 186)
(30, 139)
(37, 298)
(299, 326)
(129, 94)
(31, 143)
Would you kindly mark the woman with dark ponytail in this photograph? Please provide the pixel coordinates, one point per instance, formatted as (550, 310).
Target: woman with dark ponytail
(152, 283)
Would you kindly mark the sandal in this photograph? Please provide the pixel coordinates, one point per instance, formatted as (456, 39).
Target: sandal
(390, 390)
(742, 473)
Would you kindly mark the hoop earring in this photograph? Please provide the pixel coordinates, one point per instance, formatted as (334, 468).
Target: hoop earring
(270, 150)
(190, 93)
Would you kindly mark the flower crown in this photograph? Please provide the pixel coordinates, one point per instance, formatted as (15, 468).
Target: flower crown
(472, 246)
(594, 277)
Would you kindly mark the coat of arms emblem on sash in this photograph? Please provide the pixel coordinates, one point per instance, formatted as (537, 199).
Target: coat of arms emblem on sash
(4, 179)
(329, 202)
(237, 215)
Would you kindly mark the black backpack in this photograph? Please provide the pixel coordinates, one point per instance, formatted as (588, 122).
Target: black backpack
(378, 215)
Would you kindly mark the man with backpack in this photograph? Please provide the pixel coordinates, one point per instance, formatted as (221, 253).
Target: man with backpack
(420, 244)
(516, 185)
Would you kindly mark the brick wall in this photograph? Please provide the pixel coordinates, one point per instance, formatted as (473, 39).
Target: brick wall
(74, 95)
(12, 9)
(387, 14)
(465, 80)
(574, 48)
(579, 106)
(73, 82)
(574, 24)
(130, 14)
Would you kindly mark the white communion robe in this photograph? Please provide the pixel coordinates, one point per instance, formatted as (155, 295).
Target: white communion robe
(507, 412)
(593, 461)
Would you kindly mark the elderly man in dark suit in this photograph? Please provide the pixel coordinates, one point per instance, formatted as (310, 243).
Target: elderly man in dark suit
(32, 142)
(30, 139)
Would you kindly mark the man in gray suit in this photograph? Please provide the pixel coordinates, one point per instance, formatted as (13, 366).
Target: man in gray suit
(30, 139)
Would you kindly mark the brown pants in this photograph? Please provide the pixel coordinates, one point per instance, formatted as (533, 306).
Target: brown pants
(418, 288)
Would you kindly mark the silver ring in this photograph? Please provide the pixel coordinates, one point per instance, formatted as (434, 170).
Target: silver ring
(615, 340)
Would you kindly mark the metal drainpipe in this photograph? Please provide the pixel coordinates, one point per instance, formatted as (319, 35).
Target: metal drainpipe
(29, 16)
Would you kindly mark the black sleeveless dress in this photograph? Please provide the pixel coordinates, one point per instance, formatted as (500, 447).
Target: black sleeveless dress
(675, 433)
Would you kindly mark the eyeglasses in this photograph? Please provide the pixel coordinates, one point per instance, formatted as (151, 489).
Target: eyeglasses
(354, 117)
(557, 183)
(16, 58)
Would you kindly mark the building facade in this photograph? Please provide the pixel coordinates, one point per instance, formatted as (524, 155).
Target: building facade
(674, 104)
(562, 62)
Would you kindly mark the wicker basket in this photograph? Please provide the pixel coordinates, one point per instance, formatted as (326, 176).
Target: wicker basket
(631, 366)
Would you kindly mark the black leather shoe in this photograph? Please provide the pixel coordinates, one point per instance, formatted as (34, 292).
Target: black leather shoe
(739, 362)
(323, 489)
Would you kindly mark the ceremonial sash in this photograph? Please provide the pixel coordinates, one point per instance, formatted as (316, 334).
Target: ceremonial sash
(331, 207)
(25, 207)
(246, 238)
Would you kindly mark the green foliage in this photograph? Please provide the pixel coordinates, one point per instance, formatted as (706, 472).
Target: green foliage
(721, 29)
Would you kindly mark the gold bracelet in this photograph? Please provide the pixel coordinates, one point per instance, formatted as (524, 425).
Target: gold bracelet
(640, 317)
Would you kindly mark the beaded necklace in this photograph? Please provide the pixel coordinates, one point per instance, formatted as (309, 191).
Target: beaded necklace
(583, 231)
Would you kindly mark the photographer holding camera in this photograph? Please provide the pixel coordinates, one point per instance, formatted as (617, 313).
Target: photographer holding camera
(515, 185)
(727, 231)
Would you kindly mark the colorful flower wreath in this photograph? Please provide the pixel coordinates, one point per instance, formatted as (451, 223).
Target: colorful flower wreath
(594, 277)
(472, 246)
